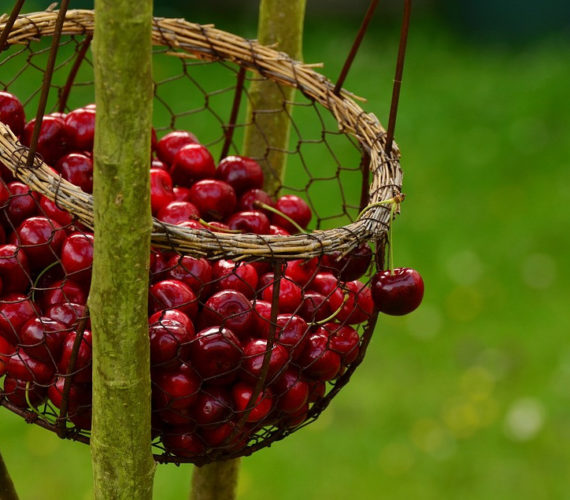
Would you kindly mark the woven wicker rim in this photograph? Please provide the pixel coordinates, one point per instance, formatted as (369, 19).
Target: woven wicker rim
(207, 43)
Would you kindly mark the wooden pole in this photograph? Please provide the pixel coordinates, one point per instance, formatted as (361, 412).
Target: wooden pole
(7, 490)
(123, 466)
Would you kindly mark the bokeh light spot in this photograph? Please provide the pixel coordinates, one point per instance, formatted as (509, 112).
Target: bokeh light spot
(524, 419)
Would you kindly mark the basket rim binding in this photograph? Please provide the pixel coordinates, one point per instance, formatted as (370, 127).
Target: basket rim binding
(208, 43)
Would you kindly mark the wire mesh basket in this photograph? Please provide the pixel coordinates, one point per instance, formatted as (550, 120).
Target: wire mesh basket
(255, 321)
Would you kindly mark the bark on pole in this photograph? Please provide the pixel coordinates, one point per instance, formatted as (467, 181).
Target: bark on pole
(123, 466)
(7, 490)
(280, 26)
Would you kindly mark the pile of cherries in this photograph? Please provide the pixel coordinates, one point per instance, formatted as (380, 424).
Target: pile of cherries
(211, 323)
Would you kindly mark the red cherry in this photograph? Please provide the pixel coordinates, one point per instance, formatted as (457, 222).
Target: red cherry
(291, 392)
(216, 354)
(296, 418)
(292, 333)
(227, 275)
(156, 163)
(68, 313)
(213, 406)
(249, 222)
(161, 193)
(344, 340)
(23, 204)
(173, 294)
(254, 354)
(242, 394)
(52, 211)
(356, 306)
(175, 390)
(24, 367)
(182, 441)
(353, 265)
(169, 343)
(41, 238)
(158, 265)
(78, 401)
(81, 371)
(80, 128)
(295, 208)
(216, 436)
(169, 145)
(261, 319)
(19, 392)
(6, 351)
(290, 295)
(215, 199)
(302, 271)
(176, 416)
(14, 268)
(398, 292)
(77, 256)
(191, 163)
(181, 193)
(176, 212)
(317, 390)
(12, 112)
(77, 168)
(251, 199)
(241, 172)
(230, 309)
(327, 285)
(52, 141)
(61, 291)
(15, 310)
(42, 339)
(318, 360)
(196, 272)
(315, 307)
(172, 314)
(278, 231)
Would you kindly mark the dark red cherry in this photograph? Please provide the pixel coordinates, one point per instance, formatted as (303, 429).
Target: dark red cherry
(176, 212)
(161, 193)
(81, 369)
(253, 200)
(196, 272)
(215, 199)
(77, 168)
(23, 367)
(52, 141)
(302, 271)
(192, 163)
(231, 309)
(290, 295)
(169, 343)
(213, 406)
(19, 392)
(42, 338)
(80, 128)
(227, 275)
(77, 256)
(181, 193)
(292, 332)
(68, 313)
(169, 145)
(278, 231)
(291, 392)
(183, 441)
(175, 390)
(219, 435)
(216, 354)
(23, 204)
(344, 340)
(254, 354)
(15, 310)
(173, 294)
(41, 238)
(12, 112)
(172, 314)
(241, 172)
(318, 361)
(249, 222)
(14, 268)
(295, 208)
(261, 319)
(6, 351)
(356, 305)
(315, 307)
(242, 394)
(51, 210)
(353, 265)
(397, 292)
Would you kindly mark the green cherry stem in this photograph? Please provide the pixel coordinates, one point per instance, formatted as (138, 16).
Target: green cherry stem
(334, 314)
(391, 242)
(45, 270)
(269, 208)
(218, 229)
(396, 200)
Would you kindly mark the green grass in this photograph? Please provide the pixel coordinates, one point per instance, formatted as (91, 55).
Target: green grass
(468, 396)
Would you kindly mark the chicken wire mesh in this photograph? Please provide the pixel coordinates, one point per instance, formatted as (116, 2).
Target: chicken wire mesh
(259, 305)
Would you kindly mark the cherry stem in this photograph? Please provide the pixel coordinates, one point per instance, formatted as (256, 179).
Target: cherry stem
(396, 200)
(334, 314)
(265, 206)
(45, 270)
(217, 229)
(27, 395)
(391, 242)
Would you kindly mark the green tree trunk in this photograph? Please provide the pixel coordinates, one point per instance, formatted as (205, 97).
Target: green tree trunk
(280, 26)
(123, 466)
(7, 490)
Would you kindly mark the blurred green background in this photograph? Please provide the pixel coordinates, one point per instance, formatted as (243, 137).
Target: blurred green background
(469, 396)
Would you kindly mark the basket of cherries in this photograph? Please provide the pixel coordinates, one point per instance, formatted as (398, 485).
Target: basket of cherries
(255, 322)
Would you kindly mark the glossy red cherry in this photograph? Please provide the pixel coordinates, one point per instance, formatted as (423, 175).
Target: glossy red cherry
(291, 392)
(161, 192)
(315, 307)
(52, 211)
(219, 435)
(175, 390)
(172, 314)
(23, 204)
(23, 367)
(41, 238)
(295, 418)
(81, 370)
(6, 351)
(254, 354)
(356, 305)
(249, 222)
(12, 112)
(292, 332)
(80, 128)
(242, 394)
(216, 354)
(61, 291)
(230, 309)
(68, 313)
(295, 208)
(241, 172)
(192, 163)
(253, 200)
(196, 272)
(213, 406)
(278, 231)
(176, 212)
(183, 441)
(344, 340)
(173, 294)
(14, 268)
(227, 275)
(15, 310)
(318, 361)
(19, 392)
(397, 292)
(290, 295)
(42, 338)
(181, 193)
(77, 256)
(170, 343)
(52, 141)
(302, 271)
(327, 285)
(171, 143)
(77, 168)
(353, 265)
(78, 401)
(215, 199)
(261, 319)
(317, 390)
